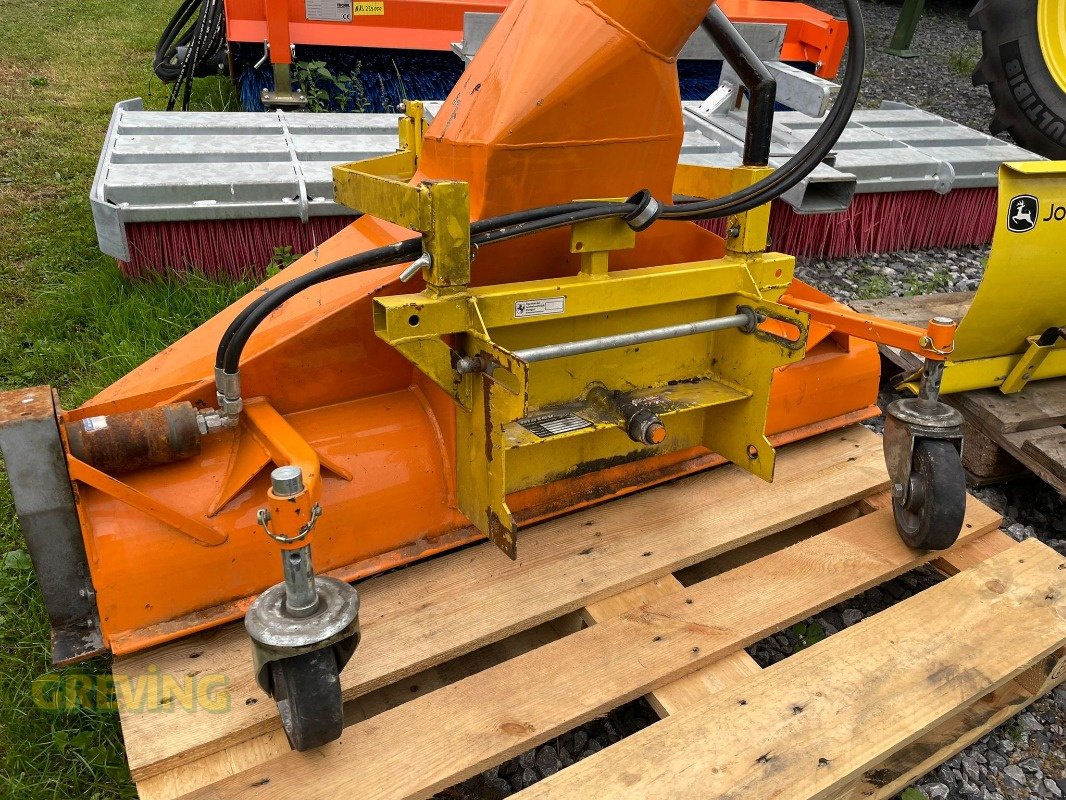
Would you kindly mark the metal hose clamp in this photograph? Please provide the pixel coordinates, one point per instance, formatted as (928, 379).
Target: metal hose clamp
(263, 517)
(648, 210)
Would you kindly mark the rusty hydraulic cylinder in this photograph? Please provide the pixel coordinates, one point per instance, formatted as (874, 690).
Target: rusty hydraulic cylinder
(135, 440)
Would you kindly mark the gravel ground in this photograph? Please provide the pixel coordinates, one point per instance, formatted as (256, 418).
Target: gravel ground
(939, 80)
(1025, 757)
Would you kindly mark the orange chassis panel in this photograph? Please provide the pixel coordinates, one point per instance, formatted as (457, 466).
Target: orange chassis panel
(385, 435)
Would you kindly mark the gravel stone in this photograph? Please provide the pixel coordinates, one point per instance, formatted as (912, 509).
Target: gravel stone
(548, 762)
(851, 616)
(497, 787)
(1029, 722)
(1014, 774)
(581, 739)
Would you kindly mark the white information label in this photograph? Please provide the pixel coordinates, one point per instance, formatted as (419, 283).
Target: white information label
(555, 424)
(329, 10)
(539, 308)
(94, 424)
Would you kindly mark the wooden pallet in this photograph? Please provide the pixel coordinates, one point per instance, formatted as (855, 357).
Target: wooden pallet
(470, 659)
(1005, 434)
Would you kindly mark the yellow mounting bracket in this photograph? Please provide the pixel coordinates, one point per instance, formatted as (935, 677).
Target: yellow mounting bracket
(1040, 347)
(746, 233)
(527, 419)
(383, 187)
(596, 239)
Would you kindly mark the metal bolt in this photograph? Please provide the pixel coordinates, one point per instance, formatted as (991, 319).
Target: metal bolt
(467, 365)
(424, 261)
(734, 232)
(287, 481)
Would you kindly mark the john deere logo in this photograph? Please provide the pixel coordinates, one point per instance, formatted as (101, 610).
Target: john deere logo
(1023, 214)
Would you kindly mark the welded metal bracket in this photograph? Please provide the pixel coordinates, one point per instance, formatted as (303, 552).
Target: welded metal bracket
(44, 499)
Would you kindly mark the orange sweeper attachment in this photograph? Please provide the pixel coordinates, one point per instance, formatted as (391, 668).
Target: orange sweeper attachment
(484, 349)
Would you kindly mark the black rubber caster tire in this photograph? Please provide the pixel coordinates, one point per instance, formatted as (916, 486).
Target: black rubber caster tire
(936, 509)
(307, 689)
(1029, 101)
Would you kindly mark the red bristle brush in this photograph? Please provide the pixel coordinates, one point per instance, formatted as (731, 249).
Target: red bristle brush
(884, 223)
(874, 223)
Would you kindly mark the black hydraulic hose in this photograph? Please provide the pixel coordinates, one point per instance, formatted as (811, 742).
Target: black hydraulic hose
(524, 223)
(199, 27)
(489, 231)
(761, 86)
(166, 50)
(810, 155)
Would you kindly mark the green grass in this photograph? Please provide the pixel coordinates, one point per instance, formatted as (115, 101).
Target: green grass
(964, 62)
(873, 287)
(70, 320)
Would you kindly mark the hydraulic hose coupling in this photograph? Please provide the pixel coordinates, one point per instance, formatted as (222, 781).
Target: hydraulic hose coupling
(228, 392)
(648, 210)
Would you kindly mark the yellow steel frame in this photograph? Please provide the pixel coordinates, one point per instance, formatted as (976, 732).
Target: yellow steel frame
(709, 389)
(1023, 293)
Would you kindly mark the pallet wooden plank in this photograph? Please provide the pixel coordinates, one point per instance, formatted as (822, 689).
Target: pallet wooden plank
(1049, 450)
(1041, 404)
(503, 711)
(1014, 443)
(432, 612)
(973, 552)
(952, 737)
(795, 730)
(692, 688)
(245, 755)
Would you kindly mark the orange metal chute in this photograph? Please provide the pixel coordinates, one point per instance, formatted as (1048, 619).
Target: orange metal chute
(524, 127)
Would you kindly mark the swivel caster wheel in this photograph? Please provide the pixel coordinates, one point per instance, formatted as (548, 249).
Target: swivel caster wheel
(931, 515)
(307, 689)
(298, 660)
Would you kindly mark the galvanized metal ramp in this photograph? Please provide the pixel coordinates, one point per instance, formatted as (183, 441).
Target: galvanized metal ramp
(894, 148)
(159, 167)
(469, 659)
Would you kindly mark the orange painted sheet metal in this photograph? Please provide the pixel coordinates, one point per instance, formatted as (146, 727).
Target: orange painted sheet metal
(812, 36)
(383, 433)
(392, 24)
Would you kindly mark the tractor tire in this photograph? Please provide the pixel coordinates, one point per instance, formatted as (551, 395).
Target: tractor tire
(1024, 67)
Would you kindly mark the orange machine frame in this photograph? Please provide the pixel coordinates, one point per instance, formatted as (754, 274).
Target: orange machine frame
(812, 36)
(176, 548)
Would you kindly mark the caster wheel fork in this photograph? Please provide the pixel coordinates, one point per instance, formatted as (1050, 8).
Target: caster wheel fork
(303, 631)
(923, 452)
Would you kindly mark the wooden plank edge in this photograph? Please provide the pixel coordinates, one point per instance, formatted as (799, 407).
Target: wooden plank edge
(959, 732)
(791, 734)
(870, 555)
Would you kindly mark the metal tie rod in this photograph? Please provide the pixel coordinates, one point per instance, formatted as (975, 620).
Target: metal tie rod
(746, 319)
